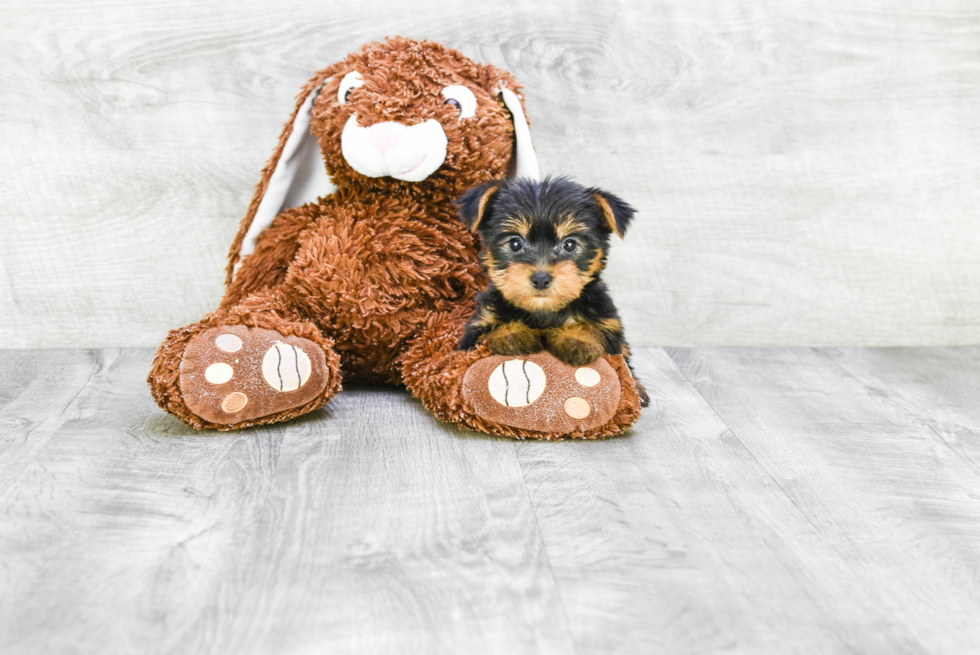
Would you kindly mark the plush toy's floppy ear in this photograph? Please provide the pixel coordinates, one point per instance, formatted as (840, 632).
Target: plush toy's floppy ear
(474, 205)
(617, 213)
(524, 163)
(294, 176)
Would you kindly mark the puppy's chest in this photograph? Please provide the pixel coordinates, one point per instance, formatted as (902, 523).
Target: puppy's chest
(536, 320)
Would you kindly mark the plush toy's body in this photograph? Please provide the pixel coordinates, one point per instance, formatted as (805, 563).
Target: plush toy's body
(370, 276)
(381, 281)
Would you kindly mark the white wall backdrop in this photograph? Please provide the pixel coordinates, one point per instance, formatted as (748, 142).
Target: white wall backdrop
(806, 172)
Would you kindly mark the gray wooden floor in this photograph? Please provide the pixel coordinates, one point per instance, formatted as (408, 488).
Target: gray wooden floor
(770, 501)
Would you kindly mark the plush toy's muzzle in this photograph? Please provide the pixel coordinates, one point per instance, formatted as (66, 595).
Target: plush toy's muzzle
(404, 152)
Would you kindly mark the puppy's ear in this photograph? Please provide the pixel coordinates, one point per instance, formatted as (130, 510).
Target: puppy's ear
(474, 205)
(617, 212)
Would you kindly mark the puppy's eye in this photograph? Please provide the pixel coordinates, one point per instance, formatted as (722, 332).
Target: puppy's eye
(569, 245)
(516, 245)
(351, 81)
(461, 98)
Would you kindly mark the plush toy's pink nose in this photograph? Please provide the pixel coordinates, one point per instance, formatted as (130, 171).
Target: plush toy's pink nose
(385, 136)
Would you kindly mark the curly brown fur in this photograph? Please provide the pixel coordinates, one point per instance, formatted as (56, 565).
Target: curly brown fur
(380, 274)
(433, 368)
(261, 310)
(403, 79)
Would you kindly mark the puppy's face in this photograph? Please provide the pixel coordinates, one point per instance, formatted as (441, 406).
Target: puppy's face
(543, 242)
(541, 263)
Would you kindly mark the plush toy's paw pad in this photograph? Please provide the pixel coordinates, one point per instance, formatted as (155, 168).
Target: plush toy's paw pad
(236, 373)
(539, 392)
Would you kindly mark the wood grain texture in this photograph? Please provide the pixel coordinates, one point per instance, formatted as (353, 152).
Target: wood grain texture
(363, 529)
(769, 501)
(677, 539)
(877, 485)
(128, 527)
(939, 386)
(386, 532)
(38, 392)
(805, 171)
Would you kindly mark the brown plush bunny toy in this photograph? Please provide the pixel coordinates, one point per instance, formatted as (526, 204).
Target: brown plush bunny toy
(352, 264)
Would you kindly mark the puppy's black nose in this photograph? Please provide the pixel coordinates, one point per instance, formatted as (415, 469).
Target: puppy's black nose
(541, 280)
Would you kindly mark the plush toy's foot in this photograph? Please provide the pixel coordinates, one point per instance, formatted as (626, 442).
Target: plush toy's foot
(539, 392)
(235, 374)
(525, 397)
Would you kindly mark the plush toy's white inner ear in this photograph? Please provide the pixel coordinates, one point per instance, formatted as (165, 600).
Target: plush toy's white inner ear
(524, 162)
(300, 177)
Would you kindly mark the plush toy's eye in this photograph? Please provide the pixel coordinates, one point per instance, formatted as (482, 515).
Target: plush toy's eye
(516, 245)
(569, 245)
(350, 82)
(461, 98)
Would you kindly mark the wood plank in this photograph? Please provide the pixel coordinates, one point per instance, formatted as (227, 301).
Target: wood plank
(362, 529)
(770, 501)
(38, 392)
(127, 532)
(890, 500)
(387, 532)
(675, 539)
(939, 386)
(17, 372)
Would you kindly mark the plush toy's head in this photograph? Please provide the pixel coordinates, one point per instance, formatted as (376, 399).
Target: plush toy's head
(399, 116)
(403, 114)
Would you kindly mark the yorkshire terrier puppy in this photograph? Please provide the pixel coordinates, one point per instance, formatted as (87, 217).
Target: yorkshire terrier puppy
(544, 246)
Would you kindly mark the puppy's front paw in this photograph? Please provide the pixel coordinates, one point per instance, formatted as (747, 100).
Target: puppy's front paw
(575, 345)
(514, 339)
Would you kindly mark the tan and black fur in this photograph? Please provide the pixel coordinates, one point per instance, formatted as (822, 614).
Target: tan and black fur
(544, 248)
